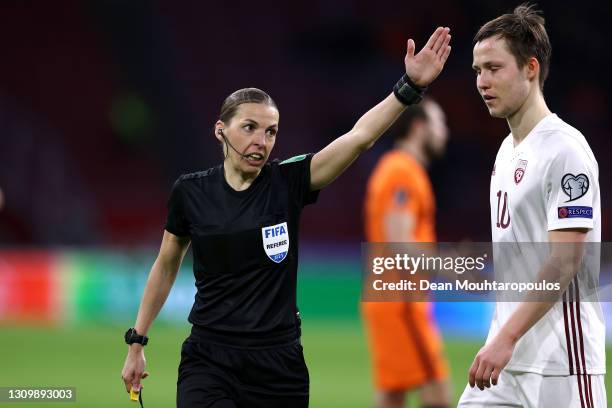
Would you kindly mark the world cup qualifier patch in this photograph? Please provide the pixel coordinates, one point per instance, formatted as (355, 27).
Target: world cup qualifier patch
(276, 241)
(575, 186)
(575, 212)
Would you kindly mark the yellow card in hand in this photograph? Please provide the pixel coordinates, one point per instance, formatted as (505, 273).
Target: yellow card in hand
(134, 394)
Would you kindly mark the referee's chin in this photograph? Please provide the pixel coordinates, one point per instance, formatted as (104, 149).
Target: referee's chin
(251, 168)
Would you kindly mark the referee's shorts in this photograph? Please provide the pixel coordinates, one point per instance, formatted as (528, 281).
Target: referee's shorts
(248, 373)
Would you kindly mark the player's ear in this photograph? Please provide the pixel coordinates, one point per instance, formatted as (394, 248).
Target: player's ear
(219, 126)
(532, 67)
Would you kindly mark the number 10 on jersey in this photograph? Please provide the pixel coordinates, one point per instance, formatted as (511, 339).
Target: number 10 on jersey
(503, 212)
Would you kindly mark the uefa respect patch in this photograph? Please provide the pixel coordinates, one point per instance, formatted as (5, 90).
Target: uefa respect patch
(575, 212)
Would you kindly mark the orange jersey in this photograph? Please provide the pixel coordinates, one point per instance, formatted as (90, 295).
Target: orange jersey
(404, 341)
(399, 184)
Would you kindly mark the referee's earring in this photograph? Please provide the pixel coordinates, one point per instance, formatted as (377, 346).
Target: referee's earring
(220, 135)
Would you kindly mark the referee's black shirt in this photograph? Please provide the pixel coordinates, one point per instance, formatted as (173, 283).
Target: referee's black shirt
(245, 246)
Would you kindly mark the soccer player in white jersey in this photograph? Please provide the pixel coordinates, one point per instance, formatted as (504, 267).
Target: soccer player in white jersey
(544, 189)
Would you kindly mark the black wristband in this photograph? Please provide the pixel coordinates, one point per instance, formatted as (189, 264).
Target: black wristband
(131, 336)
(407, 92)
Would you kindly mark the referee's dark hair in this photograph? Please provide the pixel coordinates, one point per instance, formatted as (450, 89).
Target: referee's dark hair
(403, 125)
(244, 95)
(525, 35)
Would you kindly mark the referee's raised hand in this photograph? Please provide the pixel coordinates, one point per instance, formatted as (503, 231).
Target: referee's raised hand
(425, 66)
(134, 368)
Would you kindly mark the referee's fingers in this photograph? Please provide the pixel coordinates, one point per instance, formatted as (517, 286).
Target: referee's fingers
(135, 383)
(440, 40)
(434, 37)
(128, 383)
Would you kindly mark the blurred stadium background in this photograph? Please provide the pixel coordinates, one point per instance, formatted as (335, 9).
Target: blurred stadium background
(103, 104)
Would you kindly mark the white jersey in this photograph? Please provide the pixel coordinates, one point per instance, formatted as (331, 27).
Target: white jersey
(550, 181)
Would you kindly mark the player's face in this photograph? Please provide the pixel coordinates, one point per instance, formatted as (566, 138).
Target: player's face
(437, 129)
(504, 86)
(252, 132)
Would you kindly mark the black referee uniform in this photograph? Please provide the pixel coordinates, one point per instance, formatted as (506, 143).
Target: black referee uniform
(244, 348)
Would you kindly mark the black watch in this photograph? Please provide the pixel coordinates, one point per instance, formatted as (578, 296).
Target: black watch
(132, 336)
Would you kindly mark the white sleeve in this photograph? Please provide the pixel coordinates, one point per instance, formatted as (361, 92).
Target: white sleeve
(570, 181)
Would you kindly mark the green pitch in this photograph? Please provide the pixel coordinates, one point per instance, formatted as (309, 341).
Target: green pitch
(90, 358)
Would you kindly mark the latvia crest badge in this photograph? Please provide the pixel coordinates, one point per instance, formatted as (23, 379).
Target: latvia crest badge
(519, 172)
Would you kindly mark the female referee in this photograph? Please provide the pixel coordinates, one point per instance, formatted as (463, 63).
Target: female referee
(242, 218)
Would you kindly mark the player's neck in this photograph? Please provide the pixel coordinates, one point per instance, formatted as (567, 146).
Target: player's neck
(236, 179)
(523, 121)
(411, 147)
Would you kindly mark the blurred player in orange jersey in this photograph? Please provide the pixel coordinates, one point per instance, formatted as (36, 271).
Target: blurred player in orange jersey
(404, 341)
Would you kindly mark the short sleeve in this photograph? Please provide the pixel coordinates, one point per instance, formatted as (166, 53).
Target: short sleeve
(570, 181)
(402, 195)
(393, 202)
(296, 171)
(176, 222)
(396, 187)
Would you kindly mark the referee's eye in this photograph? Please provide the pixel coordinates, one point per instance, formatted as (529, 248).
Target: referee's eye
(248, 127)
(271, 132)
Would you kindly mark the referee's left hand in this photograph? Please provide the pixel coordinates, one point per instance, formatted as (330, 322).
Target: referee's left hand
(425, 66)
(490, 361)
(134, 368)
